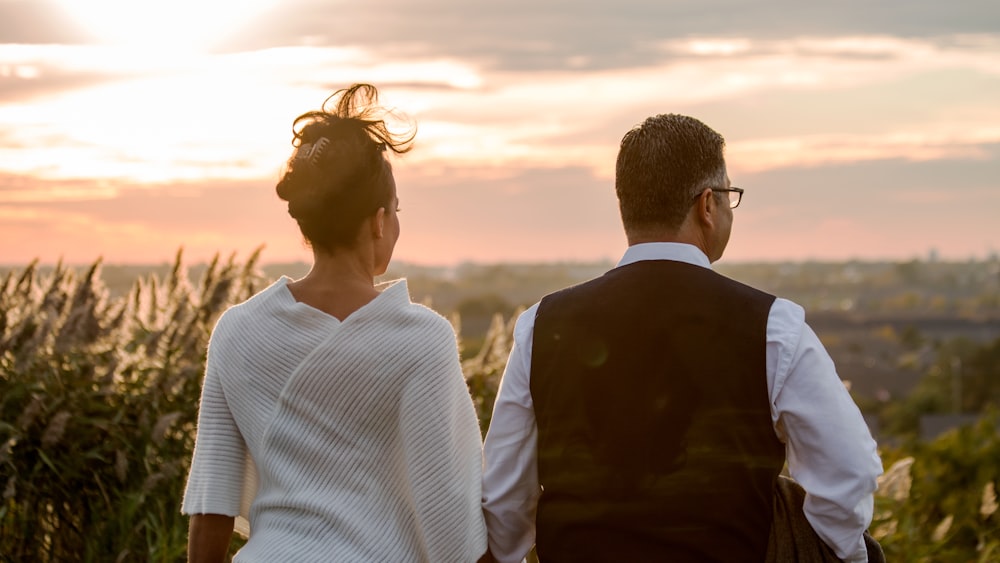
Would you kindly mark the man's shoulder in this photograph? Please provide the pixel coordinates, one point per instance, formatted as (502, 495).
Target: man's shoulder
(742, 287)
(571, 289)
(700, 274)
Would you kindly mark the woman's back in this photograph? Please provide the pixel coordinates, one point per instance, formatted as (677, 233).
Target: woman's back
(362, 431)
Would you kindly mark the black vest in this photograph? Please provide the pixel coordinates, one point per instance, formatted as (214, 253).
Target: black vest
(655, 440)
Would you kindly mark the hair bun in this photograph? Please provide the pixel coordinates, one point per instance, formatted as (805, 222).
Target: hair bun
(299, 188)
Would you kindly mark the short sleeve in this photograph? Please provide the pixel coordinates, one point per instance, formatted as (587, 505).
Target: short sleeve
(218, 473)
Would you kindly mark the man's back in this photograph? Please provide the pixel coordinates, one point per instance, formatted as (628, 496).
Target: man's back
(693, 404)
(654, 426)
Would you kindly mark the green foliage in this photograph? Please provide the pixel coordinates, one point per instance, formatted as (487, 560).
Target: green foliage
(483, 371)
(98, 405)
(938, 501)
(963, 378)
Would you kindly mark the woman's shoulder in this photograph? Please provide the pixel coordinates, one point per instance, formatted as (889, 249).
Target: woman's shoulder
(434, 321)
(262, 302)
(416, 321)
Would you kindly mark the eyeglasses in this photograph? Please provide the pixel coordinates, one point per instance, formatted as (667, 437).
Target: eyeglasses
(735, 195)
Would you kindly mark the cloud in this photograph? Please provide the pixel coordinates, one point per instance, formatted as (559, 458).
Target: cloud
(156, 118)
(542, 215)
(16, 189)
(868, 210)
(840, 111)
(37, 22)
(24, 83)
(224, 204)
(460, 214)
(785, 103)
(29, 73)
(871, 210)
(951, 141)
(525, 35)
(137, 224)
(497, 213)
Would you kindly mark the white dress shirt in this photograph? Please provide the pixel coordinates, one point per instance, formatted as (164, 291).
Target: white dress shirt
(829, 448)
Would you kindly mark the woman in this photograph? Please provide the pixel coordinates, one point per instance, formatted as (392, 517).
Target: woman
(335, 412)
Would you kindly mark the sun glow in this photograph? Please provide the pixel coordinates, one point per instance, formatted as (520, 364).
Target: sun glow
(164, 25)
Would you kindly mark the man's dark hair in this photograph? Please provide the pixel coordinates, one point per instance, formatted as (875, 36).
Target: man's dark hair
(662, 165)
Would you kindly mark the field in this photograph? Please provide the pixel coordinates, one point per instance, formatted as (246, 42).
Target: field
(99, 390)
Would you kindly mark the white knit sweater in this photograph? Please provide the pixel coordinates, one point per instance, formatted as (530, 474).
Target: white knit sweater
(362, 433)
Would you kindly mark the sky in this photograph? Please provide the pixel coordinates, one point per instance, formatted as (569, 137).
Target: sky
(860, 130)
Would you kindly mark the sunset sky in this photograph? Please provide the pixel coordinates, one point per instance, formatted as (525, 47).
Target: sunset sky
(860, 130)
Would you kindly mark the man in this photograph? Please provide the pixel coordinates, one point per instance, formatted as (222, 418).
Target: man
(645, 415)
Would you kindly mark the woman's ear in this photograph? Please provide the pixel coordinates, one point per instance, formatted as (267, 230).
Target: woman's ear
(378, 223)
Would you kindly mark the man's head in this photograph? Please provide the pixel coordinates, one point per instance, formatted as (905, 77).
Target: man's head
(666, 169)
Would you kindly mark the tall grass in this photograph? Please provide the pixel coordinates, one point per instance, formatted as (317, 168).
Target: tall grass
(937, 501)
(98, 404)
(99, 398)
(484, 369)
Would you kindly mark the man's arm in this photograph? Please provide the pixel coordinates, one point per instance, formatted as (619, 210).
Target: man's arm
(830, 450)
(510, 472)
(208, 537)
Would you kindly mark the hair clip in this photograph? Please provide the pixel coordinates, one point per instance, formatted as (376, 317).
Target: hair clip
(312, 152)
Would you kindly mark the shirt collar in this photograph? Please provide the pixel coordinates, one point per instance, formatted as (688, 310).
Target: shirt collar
(676, 251)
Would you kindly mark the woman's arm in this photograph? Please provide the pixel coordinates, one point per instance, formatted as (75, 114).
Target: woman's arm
(208, 538)
(442, 449)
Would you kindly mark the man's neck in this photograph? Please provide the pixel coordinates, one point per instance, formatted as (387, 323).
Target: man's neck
(648, 237)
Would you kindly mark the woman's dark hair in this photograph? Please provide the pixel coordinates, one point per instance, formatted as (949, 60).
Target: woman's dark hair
(338, 175)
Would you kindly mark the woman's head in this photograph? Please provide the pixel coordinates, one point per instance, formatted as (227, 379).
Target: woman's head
(339, 175)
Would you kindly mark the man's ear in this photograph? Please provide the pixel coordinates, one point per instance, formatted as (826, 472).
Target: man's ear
(705, 206)
(378, 223)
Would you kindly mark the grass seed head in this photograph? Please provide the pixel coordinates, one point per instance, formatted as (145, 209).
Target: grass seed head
(121, 465)
(896, 482)
(56, 429)
(988, 505)
(10, 490)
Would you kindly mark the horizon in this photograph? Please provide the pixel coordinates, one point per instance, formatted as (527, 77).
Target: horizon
(928, 258)
(860, 132)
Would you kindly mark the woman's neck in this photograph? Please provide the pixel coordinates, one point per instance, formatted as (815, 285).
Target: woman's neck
(338, 284)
